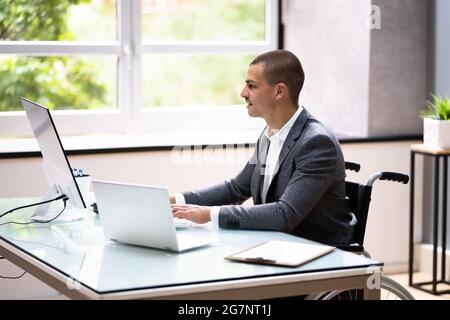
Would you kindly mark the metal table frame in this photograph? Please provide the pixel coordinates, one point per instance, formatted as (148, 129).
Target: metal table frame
(437, 155)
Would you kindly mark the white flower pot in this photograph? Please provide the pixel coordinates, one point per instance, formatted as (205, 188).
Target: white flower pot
(436, 133)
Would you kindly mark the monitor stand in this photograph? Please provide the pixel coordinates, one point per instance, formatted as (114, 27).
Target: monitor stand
(46, 211)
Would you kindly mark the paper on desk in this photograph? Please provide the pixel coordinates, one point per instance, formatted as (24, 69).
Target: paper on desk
(282, 253)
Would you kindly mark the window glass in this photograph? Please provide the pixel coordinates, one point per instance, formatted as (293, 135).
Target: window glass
(54, 52)
(193, 79)
(203, 20)
(53, 20)
(80, 82)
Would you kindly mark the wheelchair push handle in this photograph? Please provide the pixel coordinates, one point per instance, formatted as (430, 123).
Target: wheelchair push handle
(352, 166)
(394, 176)
(388, 175)
(385, 175)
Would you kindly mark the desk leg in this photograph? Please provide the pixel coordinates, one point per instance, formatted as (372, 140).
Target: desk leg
(435, 221)
(411, 219)
(371, 294)
(444, 219)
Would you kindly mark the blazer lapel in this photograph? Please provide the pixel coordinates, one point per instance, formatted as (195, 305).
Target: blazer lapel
(262, 150)
(262, 153)
(292, 138)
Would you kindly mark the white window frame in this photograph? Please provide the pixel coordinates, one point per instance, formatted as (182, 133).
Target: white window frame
(129, 117)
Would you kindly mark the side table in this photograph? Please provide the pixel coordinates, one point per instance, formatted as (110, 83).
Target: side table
(437, 155)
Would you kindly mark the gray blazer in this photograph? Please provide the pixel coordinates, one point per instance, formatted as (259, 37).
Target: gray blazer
(306, 196)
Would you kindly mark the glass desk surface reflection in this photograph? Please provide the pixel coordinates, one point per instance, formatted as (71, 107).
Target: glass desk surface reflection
(80, 252)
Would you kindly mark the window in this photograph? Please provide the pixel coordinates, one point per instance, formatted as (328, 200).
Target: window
(122, 66)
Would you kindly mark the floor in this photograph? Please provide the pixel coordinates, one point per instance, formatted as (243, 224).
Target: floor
(418, 294)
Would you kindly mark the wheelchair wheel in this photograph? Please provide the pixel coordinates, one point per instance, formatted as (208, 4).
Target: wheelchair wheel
(394, 289)
(390, 290)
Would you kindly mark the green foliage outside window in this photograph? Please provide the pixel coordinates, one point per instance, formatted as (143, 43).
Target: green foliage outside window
(58, 82)
(204, 20)
(77, 82)
(178, 79)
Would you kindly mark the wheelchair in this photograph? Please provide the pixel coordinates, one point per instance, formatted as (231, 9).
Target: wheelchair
(359, 197)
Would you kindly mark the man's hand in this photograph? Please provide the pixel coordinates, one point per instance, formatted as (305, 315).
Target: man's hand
(191, 212)
(172, 199)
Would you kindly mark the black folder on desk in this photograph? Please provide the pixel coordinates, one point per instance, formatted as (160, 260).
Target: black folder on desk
(282, 253)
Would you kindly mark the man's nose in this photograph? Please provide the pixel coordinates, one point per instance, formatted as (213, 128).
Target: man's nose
(244, 93)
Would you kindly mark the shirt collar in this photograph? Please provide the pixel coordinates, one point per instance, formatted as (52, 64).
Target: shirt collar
(282, 133)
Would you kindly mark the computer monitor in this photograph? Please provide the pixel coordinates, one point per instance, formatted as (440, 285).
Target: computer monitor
(56, 166)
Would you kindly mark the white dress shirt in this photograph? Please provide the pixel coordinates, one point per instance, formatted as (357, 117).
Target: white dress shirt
(276, 138)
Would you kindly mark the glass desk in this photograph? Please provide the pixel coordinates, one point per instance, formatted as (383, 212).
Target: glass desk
(77, 260)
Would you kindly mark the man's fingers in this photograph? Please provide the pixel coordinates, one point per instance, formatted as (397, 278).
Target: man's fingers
(178, 214)
(195, 214)
(179, 209)
(183, 210)
(185, 213)
(183, 206)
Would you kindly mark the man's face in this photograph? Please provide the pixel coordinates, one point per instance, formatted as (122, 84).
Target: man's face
(258, 93)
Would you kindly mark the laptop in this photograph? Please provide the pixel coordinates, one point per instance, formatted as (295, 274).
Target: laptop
(141, 215)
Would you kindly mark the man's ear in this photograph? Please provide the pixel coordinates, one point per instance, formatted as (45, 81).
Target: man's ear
(280, 90)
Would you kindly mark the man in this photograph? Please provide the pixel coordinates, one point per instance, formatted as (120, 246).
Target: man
(296, 174)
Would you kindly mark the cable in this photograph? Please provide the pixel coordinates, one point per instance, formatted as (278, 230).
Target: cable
(63, 197)
(32, 205)
(13, 278)
(31, 222)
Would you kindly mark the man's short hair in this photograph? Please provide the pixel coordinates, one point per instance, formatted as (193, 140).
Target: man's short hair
(282, 66)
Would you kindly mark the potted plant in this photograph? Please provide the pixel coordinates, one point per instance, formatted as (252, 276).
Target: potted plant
(436, 123)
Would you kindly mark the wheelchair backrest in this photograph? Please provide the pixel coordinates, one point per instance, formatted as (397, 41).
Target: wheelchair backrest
(358, 201)
(359, 197)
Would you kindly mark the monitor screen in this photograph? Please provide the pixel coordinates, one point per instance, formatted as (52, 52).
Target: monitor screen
(55, 163)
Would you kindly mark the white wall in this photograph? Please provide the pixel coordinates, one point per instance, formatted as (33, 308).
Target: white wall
(333, 43)
(190, 169)
(362, 80)
(441, 50)
(398, 68)
(387, 228)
